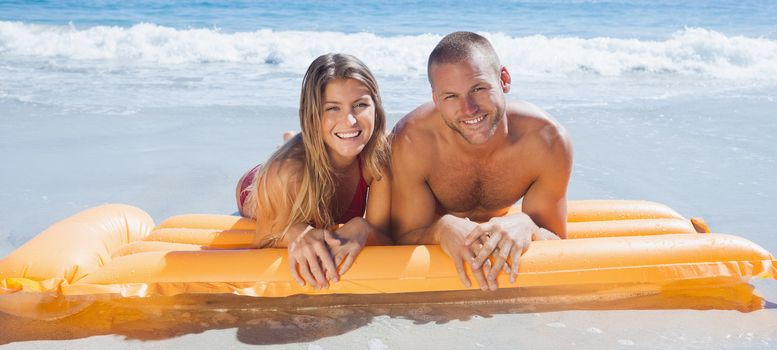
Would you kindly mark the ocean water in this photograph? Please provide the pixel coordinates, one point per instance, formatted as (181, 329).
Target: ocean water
(121, 56)
(164, 104)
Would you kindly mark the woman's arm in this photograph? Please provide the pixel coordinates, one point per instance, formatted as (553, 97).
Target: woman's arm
(274, 194)
(309, 258)
(374, 230)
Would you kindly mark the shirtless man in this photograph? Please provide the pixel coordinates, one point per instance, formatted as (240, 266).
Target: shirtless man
(462, 161)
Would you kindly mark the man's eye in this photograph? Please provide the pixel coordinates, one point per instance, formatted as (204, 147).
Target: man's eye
(449, 97)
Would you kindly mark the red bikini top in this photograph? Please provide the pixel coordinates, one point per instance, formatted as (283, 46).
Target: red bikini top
(359, 201)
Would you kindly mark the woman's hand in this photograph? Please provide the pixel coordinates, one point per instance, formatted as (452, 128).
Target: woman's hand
(308, 252)
(348, 241)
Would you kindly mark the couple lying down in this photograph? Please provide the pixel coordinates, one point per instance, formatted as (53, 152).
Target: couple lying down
(451, 172)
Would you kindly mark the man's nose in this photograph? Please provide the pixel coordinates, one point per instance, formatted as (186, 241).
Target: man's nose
(470, 105)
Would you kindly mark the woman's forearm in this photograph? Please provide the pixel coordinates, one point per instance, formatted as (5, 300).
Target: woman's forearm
(283, 238)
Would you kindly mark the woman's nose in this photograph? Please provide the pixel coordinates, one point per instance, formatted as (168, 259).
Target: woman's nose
(351, 119)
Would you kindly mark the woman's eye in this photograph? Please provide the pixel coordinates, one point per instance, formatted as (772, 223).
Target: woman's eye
(361, 105)
(332, 109)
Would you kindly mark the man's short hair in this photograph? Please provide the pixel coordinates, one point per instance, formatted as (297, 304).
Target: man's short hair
(458, 46)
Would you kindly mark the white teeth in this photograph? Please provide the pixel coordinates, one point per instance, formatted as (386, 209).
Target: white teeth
(474, 121)
(348, 135)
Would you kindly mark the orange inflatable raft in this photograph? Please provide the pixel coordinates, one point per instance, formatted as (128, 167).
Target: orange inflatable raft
(117, 251)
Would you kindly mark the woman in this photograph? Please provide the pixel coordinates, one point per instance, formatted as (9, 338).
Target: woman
(320, 177)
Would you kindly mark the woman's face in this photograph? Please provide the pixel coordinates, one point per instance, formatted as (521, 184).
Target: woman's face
(348, 119)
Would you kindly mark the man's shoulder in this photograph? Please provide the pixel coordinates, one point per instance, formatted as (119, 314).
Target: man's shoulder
(416, 127)
(413, 140)
(418, 120)
(531, 123)
(528, 116)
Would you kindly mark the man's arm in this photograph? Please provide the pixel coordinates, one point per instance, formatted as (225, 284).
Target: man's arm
(414, 221)
(546, 200)
(413, 216)
(412, 201)
(544, 207)
(378, 213)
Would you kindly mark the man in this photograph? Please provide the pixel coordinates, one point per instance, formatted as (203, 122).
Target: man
(462, 161)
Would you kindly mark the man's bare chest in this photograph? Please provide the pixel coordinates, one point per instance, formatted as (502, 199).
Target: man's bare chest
(467, 186)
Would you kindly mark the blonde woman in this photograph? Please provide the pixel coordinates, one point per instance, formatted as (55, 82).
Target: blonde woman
(321, 177)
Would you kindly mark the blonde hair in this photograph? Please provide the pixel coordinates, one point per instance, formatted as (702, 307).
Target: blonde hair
(314, 201)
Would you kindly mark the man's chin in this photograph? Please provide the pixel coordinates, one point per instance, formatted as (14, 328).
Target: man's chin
(471, 136)
(477, 137)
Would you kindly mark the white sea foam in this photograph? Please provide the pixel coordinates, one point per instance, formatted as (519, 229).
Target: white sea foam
(692, 51)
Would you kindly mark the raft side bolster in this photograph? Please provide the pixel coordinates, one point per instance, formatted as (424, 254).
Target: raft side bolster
(642, 260)
(78, 245)
(646, 278)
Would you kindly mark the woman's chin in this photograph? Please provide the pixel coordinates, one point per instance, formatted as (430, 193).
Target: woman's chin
(346, 151)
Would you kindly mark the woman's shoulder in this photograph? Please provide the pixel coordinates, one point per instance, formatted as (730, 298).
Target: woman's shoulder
(287, 160)
(285, 169)
(283, 172)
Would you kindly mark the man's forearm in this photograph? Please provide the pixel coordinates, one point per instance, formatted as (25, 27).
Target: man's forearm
(431, 234)
(414, 237)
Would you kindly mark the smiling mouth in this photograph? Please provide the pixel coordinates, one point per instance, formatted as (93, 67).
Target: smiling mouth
(474, 121)
(348, 135)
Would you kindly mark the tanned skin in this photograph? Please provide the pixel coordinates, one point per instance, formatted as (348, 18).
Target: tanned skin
(462, 161)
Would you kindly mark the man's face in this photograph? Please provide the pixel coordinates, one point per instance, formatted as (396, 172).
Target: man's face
(470, 97)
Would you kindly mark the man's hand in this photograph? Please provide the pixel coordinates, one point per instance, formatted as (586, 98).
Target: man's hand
(505, 238)
(308, 252)
(452, 233)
